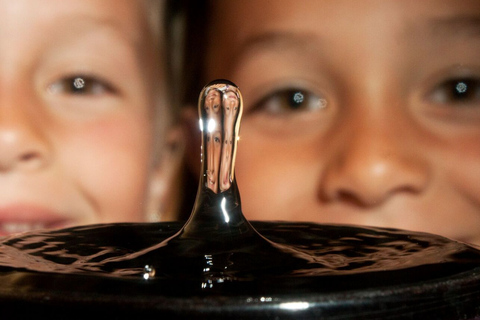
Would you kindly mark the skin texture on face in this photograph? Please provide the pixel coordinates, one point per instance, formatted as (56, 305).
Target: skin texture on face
(77, 94)
(356, 112)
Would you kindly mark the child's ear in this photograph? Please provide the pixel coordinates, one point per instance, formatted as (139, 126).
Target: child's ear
(190, 125)
(165, 180)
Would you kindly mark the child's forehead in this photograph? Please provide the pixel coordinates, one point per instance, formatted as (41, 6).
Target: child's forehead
(72, 33)
(130, 18)
(255, 13)
(258, 24)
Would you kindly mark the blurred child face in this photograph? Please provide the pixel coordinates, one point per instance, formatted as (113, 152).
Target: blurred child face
(356, 112)
(76, 99)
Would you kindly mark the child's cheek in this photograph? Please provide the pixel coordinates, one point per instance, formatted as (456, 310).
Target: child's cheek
(109, 160)
(463, 166)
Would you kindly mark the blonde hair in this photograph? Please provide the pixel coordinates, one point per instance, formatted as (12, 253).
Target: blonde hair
(155, 13)
(168, 152)
(162, 114)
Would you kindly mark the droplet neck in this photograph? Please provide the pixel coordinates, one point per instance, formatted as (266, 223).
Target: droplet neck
(217, 214)
(217, 208)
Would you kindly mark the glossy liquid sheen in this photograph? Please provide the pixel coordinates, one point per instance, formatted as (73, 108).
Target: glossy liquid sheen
(321, 254)
(304, 271)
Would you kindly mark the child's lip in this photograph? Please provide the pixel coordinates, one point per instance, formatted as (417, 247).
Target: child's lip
(24, 218)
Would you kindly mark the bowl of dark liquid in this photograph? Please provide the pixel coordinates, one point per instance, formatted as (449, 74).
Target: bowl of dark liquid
(218, 265)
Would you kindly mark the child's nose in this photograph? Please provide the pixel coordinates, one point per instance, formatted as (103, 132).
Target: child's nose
(372, 162)
(22, 143)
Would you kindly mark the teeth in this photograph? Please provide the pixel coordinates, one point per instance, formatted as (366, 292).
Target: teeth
(16, 227)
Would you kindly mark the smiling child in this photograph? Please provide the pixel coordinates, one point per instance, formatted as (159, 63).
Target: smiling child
(356, 112)
(82, 112)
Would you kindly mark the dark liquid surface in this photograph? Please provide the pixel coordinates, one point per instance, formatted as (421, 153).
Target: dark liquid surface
(337, 257)
(303, 270)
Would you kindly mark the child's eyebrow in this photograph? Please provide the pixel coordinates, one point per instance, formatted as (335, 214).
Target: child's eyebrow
(93, 24)
(278, 40)
(464, 25)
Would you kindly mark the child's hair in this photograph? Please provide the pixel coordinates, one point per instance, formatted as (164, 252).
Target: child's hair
(185, 23)
(187, 47)
(162, 21)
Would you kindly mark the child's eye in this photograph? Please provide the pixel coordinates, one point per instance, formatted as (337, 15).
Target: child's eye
(459, 92)
(80, 85)
(291, 100)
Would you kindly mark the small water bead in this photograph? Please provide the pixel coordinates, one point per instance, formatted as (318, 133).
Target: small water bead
(148, 272)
